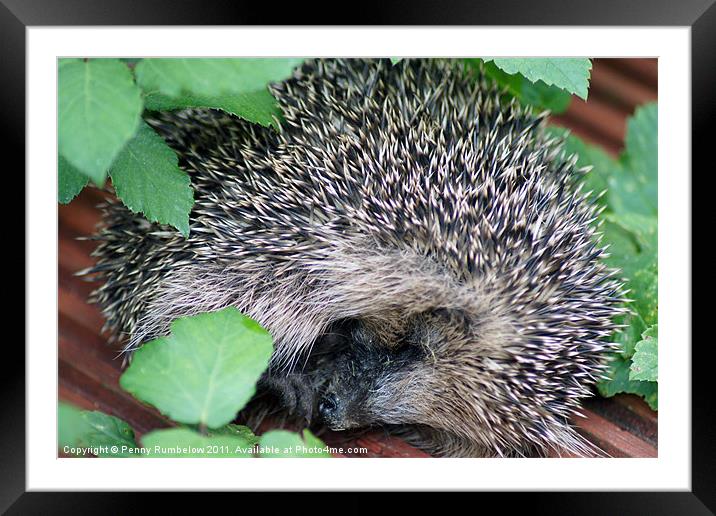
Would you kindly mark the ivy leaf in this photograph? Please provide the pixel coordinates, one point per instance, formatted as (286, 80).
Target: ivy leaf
(619, 382)
(183, 442)
(258, 107)
(70, 181)
(644, 364)
(147, 179)
(211, 77)
(99, 109)
(635, 190)
(569, 74)
(84, 428)
(282, 443)
(532, 93)
(205, 371)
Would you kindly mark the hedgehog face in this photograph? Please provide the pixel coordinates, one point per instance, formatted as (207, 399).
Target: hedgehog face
(363, 380)
(373, 378)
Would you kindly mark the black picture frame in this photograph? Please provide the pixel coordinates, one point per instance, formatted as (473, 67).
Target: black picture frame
(700, 15)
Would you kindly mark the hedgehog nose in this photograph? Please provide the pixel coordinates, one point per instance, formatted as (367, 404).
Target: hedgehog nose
(327, 406)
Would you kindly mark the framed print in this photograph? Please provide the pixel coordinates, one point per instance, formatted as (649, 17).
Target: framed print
(438, 257)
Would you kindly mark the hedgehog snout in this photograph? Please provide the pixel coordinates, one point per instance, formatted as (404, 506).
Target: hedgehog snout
(364, 382)
(341, 410)
(331, 410)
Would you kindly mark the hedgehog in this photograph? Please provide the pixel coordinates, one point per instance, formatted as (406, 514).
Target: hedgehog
(415, 241)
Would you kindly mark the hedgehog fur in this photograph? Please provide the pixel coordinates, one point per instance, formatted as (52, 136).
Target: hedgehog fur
(414, 243)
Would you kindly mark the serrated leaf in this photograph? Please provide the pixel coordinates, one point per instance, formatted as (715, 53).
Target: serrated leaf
(70, 181)
(147, 178)
(182, 442)
(644, 364)
(635, 190)
(258, 107)
(282, 443)
(569, 74)
(619, 382)
(536, 94)
(93, 429)
(99, 108)
(211, 77)
(205, 371)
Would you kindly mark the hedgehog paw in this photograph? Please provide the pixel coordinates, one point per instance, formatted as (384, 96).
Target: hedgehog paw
(296, 394)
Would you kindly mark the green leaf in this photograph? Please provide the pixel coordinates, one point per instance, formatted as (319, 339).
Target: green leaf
(536, 94)
(314, 442)
(147, 179)
(244, 432)
(635, 190)
(645, 287)
(99, 108)
(205, 371)
(642, 228)
(645, 360)
(623, 247)
(182, 442)
(211, 77)
(395, 60)
(603, 165)
(282, 443)
(630, 229)
(92, 429)
(67, 60)
(70, 181)
(632, 251)
(619, 382)
(258, 106)
(569, 74)
(630, 335)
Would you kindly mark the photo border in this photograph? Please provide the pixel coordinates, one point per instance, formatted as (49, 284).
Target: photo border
(17, 15)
